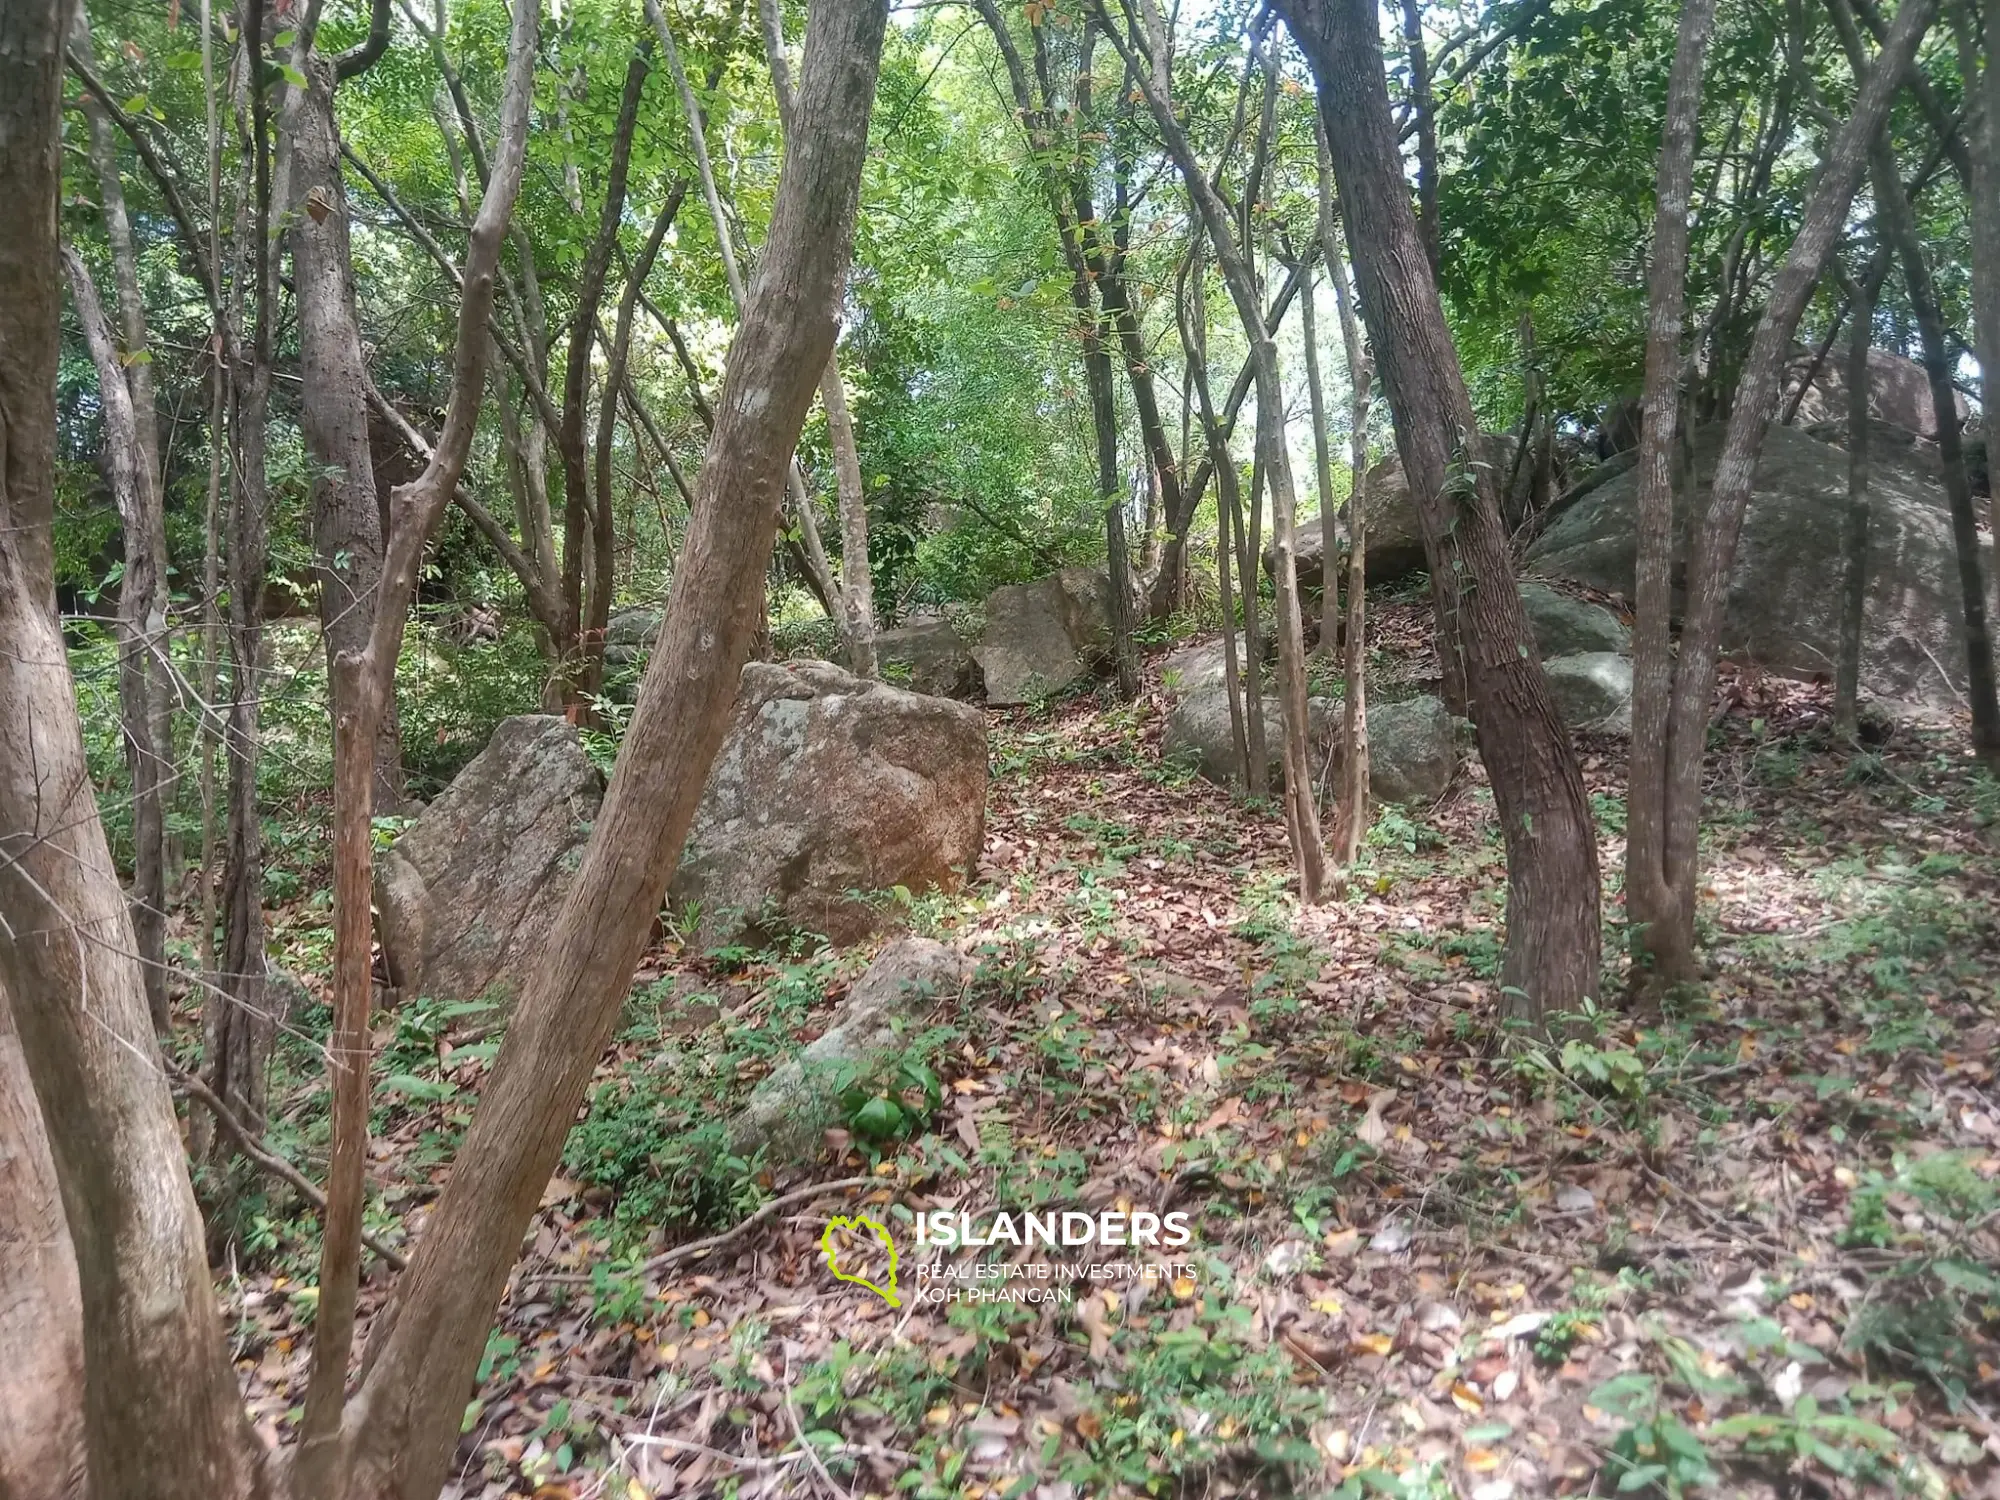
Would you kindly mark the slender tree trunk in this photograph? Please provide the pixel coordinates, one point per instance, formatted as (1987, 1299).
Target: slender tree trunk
(141, 634)
(1984, 153)
(41, 1315)
(587, 517)
(1650, 900)
(1713, 559)
(1329, 577)
(425, 1349)
(346, 516)
(857, 577)
(1246, 524)
(1854, 533)
(1901, 226)
(1424, 116)
(1552, 913)
(1352, 824)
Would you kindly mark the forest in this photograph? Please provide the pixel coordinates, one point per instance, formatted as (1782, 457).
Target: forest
(999, 749)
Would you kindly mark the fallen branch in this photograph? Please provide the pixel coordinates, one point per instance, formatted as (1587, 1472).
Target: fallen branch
(261, 1157)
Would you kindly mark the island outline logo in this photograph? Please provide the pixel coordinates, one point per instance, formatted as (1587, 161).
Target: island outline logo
(860, 1225)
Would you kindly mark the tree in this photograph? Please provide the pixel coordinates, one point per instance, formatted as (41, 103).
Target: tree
(1648, 887)
(1668, 914)
(1552, 917)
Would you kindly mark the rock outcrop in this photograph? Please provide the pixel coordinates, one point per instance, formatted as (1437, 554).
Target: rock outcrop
(927, 655)
(1040, 637)
(1784, 600)
(1564, 625)
(829, 791)
(789, 1112)
(1395, 537)
(1898, 391)
(1412, 750)
(1593, 690)
(467, 895)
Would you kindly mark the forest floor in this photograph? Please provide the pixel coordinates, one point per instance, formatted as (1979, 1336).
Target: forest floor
(1748, 1248)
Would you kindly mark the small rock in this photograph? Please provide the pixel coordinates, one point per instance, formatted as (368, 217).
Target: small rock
(1286, 1259)
(1572, 1199)
(1391, 1238)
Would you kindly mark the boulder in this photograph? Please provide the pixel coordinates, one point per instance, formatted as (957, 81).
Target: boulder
(467, 895)
(1898, 391)
(1784, 607)
(1412, 744)
(797, 1102)
(1395, 536)
(1197, 668)
(1564, 625)
(1412, 750)
(629, 634)
(1593, 690)
(829, 790)
(1040, 637)
(927, 655)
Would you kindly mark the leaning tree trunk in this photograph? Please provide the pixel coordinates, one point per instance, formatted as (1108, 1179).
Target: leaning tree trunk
(41, 1316)
(159, 1381)
(402, 1428)
(1713, 559)
(347, 521)
(1552, 916)
(142, 634)
(1649, 892)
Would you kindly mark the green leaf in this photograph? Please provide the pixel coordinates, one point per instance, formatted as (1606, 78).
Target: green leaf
(879, 1117)
(292, 75)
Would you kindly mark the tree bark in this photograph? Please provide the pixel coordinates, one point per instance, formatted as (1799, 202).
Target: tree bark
(1854, 532)
(1713, 558)
(159, 1381)
(41, 1313)
(1552, 913)
(425, 1350)
(1329, 587)
(1984, 169)
(1423, 115)
(347, 520)
(1649, 890)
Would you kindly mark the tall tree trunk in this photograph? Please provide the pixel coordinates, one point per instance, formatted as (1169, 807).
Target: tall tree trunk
(1552, 914)
(347, 521)
(1329, 577)
(1984, 153)
(143, 670)
(1713, 559)
(159, 1379)
(1900, 225)
(1301, 797)
(857, 577)
(1352, 823)
(141, 635)
(1854, 532)
(587, 529)
(41, 1316)
(1423, 115)
(425, 1349)
(1650, 897)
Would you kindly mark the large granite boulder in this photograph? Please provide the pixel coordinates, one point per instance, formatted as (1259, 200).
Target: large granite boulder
(629, 634)
(927, 655)
(1395, 536)
(1412, 744)
(1899, 391)
(1593, 690)
(789, 1112)
(1040, 637)
(1412, 750)
(1564, 625)
(1784, 600)
(467, 895)
(829, 791)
